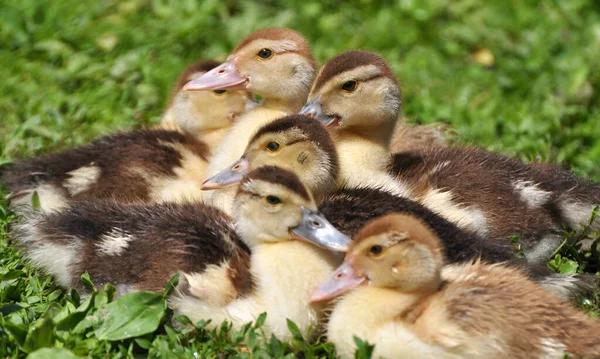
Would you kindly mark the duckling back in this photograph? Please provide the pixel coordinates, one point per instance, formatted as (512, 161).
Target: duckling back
(146, 165)
(139, 247)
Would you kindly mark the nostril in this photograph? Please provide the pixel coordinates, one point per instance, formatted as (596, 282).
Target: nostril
(316, 224)
(236, 167)
(339, 275)
(221, 71)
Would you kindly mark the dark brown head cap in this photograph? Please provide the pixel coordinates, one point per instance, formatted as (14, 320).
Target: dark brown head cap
(415, 229)
(350, 60)
(278, 34)
(279, 176)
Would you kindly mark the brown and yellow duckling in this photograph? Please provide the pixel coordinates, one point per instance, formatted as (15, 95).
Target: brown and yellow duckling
(271, 210)
(139, 247)
(275, 63)
(154, 165)
(494, 196)
(207, 115)
(398, 294)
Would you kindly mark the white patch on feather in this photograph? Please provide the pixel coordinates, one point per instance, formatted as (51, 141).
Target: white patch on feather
(543, 249)
(114, 242)
(439, 167)
(578, 215)
(442, 203)
(82, 178)
(51, 198)
(531, 194)
(213, 285)
(53, 258)
(552, 349)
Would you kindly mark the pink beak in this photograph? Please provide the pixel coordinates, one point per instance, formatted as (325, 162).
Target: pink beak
(222, 77)
(342, 280)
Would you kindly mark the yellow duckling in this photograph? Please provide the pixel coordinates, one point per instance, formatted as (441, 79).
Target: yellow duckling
(398, 295)
(272, 209)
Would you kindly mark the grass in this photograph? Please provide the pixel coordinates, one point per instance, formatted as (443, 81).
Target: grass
(74, 70)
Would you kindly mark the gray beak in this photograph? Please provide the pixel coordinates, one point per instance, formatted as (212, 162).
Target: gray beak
(230, 176)
(315, 229)
(314, 110)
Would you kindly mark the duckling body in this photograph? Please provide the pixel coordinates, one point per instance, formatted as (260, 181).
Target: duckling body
(414, 306)
(146, 165)
(269, 206)
(304, 147)
(154, 165)
(493, 196)
(285, 275)
(139, 247)
(499, 197)
(275, 63)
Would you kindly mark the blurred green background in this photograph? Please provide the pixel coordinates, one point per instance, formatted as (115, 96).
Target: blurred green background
(521, 77)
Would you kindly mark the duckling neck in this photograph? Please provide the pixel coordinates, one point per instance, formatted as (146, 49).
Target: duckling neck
(212, 137)
(379, 135)
(289, 105)
(365, 163)
(286, 274)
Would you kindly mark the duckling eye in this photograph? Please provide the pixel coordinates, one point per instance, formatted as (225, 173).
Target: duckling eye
(273, 200)
(377, 249)
(349, 86)
(219, 92)
(273, 146)
(265, 53)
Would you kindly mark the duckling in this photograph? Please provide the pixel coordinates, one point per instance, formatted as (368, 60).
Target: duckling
(496, 197)
(399, 295)
(139, 247)
(151, 165)
(208, 115)
(275, 63)
(272, 209)
(304, 147)
(350, 88)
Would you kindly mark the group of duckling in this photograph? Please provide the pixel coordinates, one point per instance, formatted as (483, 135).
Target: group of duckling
(251, 202)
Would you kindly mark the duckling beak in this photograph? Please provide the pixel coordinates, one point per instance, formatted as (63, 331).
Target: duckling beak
(222, 77)
(230, 176)
(343, 279)
(315, 229)
(314, 110)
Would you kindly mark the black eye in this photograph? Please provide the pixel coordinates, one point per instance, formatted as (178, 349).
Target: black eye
(273, 200)
(272, 146)
(349, 86)
(265, 53)
(376, 249)
(219, 92)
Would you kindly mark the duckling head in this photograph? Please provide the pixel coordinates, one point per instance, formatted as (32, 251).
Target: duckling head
(296, 143)
(356, 91)
(395, 251)
(275, 63)
(272, 205)
(199, 111)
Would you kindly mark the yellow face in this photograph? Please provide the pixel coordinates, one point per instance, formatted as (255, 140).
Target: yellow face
(361, 97)
(396, 259)
(274, 69)
(208, 110)
(294, 151)
(265, 211)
